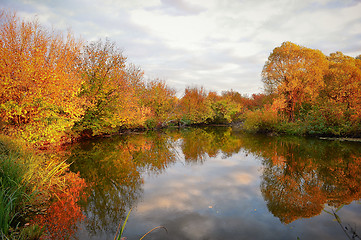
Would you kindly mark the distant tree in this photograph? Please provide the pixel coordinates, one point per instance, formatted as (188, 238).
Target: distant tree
(194, 106)
(160, 99)
(295, 73)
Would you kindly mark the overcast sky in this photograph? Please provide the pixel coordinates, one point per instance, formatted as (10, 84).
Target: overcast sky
(217, 44)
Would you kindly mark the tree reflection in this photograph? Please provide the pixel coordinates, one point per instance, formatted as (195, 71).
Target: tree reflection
(300, 176)
(63, 213)
(199, 143)
(114, 168)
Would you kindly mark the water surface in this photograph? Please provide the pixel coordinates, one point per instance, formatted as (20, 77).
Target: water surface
(215, 183)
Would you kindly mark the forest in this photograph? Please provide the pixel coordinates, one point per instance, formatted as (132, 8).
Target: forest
(56, 88)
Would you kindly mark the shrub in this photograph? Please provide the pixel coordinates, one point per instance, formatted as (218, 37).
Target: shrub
(151, 123)
(265, 120)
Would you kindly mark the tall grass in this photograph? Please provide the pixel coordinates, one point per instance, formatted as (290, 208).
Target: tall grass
(26, 181)
(13, 190)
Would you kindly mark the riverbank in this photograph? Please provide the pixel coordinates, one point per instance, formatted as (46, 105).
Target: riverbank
(341, 139)
(30, 183)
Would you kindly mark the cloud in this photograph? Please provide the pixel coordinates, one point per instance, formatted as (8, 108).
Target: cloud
(218, 44)
(177, 8)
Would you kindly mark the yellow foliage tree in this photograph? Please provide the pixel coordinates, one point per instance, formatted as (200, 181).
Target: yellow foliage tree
(110, 90)
(39, 80)
(343, 82)
(295, 73)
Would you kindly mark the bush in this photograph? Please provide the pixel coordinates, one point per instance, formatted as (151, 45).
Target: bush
(151, 123)
(326, 119)
(265, 120)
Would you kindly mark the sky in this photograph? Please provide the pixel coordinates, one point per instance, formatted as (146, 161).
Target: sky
(218, 44)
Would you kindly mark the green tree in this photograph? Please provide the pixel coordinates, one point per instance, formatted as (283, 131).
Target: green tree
(109, 89)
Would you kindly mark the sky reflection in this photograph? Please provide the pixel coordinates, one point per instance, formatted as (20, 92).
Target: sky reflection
(225, 197)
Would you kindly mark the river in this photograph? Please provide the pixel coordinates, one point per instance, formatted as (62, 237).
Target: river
(217, 183)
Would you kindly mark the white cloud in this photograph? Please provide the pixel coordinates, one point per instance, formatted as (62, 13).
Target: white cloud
(215, 43)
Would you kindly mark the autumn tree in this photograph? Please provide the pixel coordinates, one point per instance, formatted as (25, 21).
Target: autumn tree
(343, 82)
(195, 108)
(295, 73)
(225, 108)
(109, 90)
(39, 79)
(255, 101)
(159, 99)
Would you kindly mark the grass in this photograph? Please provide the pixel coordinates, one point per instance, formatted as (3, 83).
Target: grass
(118, 236)
(13, 190)
(26, 180)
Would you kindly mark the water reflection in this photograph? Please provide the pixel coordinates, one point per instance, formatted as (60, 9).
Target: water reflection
(300, 176)
(214, 183)
(200, 143)
(113, 168)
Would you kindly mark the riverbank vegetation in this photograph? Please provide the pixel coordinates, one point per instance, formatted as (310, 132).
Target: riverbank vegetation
(30, 185)
(56, 88)
(313, 94)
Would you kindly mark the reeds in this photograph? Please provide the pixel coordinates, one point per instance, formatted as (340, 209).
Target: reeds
(119, 236)
(13, 191)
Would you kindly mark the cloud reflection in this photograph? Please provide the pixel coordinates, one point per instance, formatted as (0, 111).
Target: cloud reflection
(225, 186)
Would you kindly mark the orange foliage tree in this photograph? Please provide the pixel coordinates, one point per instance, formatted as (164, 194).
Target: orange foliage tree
(343, 82)
(195, 107)
(295, 74)
(39, 80)
(160, 99)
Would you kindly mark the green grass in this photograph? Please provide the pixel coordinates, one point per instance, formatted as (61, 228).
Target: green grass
(13, 190)
(26, 180)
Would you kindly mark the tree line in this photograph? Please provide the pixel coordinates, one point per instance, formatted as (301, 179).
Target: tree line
(55, 87)
(313, 93)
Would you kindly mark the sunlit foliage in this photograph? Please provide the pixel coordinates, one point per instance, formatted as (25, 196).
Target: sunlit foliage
(108, 91)
(39, 81)
(295, 74)
(199, 106)
(195, 108)
(343, 84)
(160, 100)
(312, 94)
